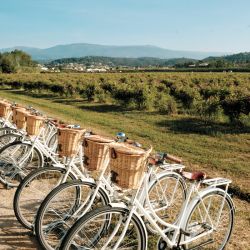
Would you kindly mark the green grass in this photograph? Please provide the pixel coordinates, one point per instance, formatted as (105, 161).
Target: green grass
(214, 147)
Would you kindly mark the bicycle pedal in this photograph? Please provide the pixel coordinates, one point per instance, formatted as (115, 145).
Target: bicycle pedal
(162, 244)
(8, 187)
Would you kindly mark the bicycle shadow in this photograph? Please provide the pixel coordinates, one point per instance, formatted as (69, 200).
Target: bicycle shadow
(12, 234)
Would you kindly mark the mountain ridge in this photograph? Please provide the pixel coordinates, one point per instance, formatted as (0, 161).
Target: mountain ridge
(127, 51)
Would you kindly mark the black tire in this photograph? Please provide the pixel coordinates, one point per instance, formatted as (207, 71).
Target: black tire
(26, 211)
(11, 172)
(9, 138)
(192, 222)
(59, 206)
(107, 212)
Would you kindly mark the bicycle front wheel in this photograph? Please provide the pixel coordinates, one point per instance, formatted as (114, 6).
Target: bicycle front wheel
(214, 211)
(33, 190)
(166, 194)
(62, 207)
(8, 138)
(17, 160)
(101, 228)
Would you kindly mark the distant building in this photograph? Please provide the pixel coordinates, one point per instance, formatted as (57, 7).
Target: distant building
(203, 64)
(92, 70)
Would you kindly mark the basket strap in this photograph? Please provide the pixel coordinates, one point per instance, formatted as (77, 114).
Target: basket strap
(59, 147)
(85, 143)
(86, 160)
(113, 153)
(114, 177)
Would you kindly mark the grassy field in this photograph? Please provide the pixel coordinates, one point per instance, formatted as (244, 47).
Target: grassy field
(218, 149)
(214, 148)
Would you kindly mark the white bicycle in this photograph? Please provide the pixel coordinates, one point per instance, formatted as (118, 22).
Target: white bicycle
(21, 156)
(205, 222)
(70, 201)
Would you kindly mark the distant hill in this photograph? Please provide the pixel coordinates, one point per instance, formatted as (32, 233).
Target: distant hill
(85, 49)
(239, 58)
(121, 61)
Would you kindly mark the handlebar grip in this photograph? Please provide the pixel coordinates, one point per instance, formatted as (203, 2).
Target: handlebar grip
(173, 158)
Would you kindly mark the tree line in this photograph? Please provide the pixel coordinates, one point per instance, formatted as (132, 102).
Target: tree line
(212, 96)
(15, 61)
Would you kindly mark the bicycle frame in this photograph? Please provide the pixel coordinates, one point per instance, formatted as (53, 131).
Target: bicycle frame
(40, 143)
(5, 121)
(136, 208)
(110, 190)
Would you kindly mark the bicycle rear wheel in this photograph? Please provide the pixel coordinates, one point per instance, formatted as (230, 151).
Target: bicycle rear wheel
(33, 190)
(198, 221)
(95, 230)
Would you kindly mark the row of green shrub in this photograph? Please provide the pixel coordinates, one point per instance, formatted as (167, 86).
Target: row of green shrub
(211, 96)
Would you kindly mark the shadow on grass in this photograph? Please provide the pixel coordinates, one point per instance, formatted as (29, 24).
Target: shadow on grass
(34, 95)
(104, 108)
(198, 126)
(47, 96)
(79, 103)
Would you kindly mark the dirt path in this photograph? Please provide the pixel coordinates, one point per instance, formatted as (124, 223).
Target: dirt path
(13, 236)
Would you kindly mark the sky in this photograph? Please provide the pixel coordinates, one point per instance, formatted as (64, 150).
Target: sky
(196, 25)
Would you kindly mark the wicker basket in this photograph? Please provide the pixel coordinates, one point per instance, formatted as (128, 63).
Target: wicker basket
(5, 109)
(14, 113)
(127, 164)
(94, 151)
(21, 118)
(34, 124)
(68, 141)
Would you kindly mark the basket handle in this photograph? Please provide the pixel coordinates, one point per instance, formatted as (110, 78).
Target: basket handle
(85, 143)
(86, 160)
(113, 153)
(114, 177)
(59, 147)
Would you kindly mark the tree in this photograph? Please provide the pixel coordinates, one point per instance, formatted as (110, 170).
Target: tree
(10, 62)
(8, 65)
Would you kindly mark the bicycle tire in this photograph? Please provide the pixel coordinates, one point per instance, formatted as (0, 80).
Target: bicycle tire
(26, 219)
(59, 206)
(107, 211)
(171, 213)
(12, 174)
(195, 212)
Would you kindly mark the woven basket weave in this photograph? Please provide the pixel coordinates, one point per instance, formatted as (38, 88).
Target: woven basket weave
(127, 164)
(14, 113)
(21, 118)
(34, 124)
(5, 109)
(94, 151)
(69, 140)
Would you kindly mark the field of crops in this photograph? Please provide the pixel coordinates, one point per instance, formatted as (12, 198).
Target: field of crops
(212, 96)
